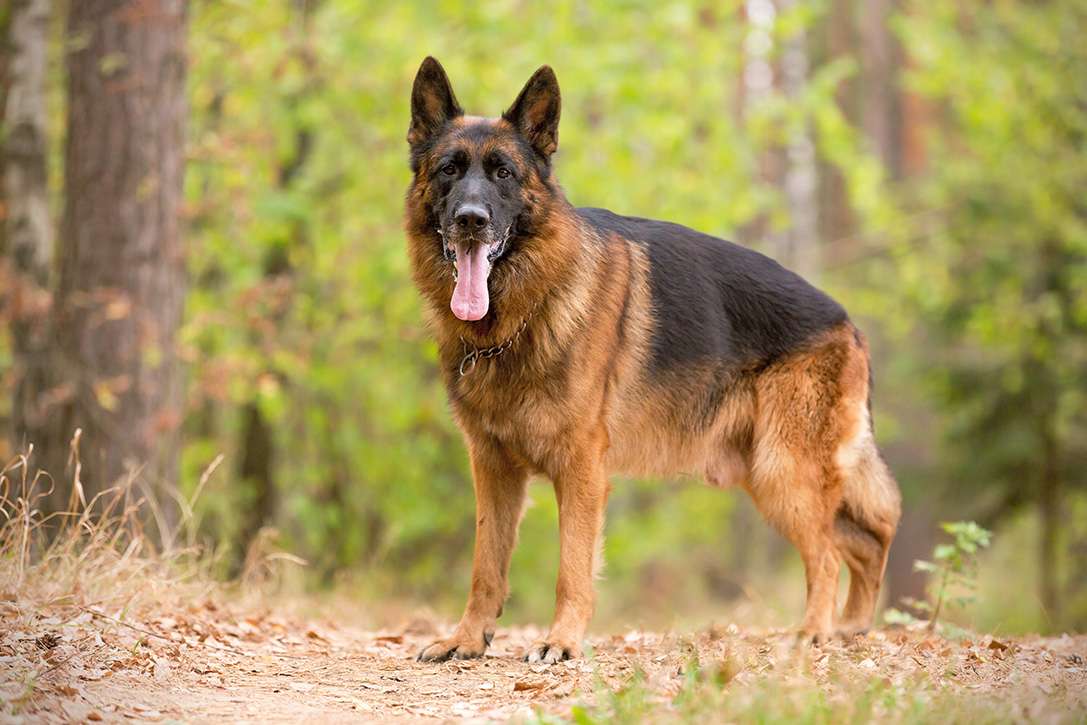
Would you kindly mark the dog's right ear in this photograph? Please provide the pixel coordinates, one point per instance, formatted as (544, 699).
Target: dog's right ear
(432, 102)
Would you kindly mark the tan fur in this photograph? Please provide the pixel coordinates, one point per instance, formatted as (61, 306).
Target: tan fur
(574, 398)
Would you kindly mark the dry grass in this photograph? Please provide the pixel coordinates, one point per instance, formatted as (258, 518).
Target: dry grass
(64, 574)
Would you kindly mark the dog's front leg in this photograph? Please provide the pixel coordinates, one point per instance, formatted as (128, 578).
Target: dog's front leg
(582, 492)
(500, 484)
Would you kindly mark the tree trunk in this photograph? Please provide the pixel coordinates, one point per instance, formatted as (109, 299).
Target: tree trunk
(122, 268)
(257, 439)
(1047, 401)
(836, 221)
(914, 540)
(802, 252)
(256, 471)
(26, 235)
(1051, 526)
(881, 108)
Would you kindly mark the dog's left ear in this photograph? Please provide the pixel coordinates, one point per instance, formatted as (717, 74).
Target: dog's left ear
(535, 113)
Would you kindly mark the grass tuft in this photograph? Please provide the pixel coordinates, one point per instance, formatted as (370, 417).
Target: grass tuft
(95, 562)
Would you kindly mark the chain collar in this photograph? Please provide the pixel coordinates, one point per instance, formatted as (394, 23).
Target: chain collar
(472, 356)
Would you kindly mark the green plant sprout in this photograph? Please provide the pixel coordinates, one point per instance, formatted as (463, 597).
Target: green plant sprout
(953, 571)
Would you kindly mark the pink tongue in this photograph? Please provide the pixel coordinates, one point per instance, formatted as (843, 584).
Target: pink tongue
(470, 298)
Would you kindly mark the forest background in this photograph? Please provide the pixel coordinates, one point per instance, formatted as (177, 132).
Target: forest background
(924, 162)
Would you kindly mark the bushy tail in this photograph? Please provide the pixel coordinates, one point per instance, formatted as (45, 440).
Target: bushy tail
(871, 498)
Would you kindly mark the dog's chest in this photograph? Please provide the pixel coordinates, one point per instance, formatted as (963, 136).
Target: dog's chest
(528, 414)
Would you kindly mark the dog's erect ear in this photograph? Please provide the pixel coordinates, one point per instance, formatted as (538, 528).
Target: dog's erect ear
(432, 101)
(535, 113)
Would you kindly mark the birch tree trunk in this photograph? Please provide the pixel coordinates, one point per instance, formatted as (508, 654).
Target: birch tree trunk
(26, 233)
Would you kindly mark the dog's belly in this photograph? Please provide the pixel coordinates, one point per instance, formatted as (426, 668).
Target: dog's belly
(718, 463)
(658, 435)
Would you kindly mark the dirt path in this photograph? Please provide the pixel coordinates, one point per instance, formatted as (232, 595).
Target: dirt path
(207, 665)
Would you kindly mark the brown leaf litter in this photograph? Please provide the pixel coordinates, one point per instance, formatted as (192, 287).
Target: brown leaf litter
(211, 664)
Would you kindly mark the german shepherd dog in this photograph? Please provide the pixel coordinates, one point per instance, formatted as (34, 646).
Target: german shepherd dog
(577, 342)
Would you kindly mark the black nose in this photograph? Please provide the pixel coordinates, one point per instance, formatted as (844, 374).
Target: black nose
(471, 216)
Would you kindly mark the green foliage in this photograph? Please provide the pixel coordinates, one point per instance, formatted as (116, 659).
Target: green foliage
(953, 571)
(971, 271)
(1000, 292)
(1003, 289)
(302, 306)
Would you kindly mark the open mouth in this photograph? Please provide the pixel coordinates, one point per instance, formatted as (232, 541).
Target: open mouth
(473, 260)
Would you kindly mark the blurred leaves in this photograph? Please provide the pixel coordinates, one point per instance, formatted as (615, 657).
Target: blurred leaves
(971, 268)
(303, 303)
(1008, 168)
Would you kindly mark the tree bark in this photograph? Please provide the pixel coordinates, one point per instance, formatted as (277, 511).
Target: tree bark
(257, 439)
(802, 252)
(122, 269)
(835, 214)
(256, 471)
(26, 234)
(881, 107)
(914, 540)
(1046, 375)
(1050, 495)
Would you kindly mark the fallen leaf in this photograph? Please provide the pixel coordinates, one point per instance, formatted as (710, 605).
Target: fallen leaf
(47, 641)
(390, 639)
(69, 690)
(377, 688)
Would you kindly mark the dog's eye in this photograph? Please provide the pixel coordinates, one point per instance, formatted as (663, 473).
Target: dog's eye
(502, 173)
(449, 169)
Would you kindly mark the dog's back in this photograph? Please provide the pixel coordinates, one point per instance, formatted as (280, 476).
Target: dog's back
(718, 301)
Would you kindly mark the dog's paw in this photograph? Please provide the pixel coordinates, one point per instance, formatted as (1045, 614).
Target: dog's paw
(849, 631)
(813, 636)
(549, 653)
(453, 648)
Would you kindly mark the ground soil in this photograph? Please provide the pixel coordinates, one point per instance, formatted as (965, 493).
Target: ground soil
(210, 664)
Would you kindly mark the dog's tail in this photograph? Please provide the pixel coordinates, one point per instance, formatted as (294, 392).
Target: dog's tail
(871, 500)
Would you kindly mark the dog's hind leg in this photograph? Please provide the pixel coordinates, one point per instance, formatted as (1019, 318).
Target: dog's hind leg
(864, 525)
(816, 475)
(794, 500)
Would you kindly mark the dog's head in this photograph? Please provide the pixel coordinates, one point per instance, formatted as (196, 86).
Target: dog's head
(478, 180)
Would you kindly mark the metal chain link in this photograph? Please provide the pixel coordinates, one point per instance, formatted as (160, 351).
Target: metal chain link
(468, 362)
